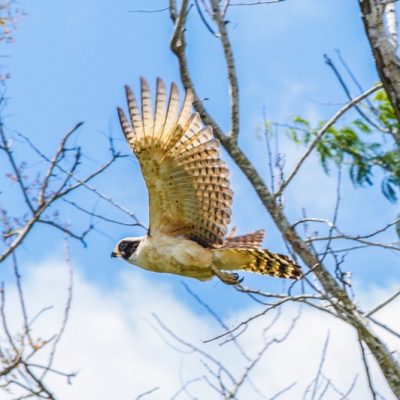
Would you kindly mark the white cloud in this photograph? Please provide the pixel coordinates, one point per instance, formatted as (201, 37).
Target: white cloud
(111, 342)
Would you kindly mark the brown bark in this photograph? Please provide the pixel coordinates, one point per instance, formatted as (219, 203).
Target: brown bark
(383, 49)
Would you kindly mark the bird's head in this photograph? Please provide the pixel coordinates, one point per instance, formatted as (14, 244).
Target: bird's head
(126, 247)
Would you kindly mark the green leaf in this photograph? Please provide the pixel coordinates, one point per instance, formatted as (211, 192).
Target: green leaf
(388, 190)
(293, 135)
(301, 121)
(380, 96)
(362, 126)
(348, 145)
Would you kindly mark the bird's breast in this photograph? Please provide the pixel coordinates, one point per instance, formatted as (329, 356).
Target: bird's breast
(175, 255)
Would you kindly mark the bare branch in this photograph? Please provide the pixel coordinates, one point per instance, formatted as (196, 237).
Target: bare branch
(173, 11)
(149, 11)
(367, 371)
(269, 151)
(23, 375)
(5, 324)
(147, 392)
(102, 217)
(330, 63)
(284, 390)
(5, 145)
(67, 309)
(332, 225)
(258, 357)
(355, 80)
(385, 327)
(383, 304)
(390, 246)
(315, 382)
(203, 18)
(391, 22)
(230, 63)
(21, 299)
(54, 161)
(178, 47)
(42, 388)
(21, 235)
(255, 3)
(216, 317)
(184, 387)
(84, 182)
(242, 326)
(193, 348)
(386, 59)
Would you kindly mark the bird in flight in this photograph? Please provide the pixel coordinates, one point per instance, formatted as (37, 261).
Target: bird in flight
(189, 195)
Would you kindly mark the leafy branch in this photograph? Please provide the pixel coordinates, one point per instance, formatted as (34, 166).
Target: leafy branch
(359, 146)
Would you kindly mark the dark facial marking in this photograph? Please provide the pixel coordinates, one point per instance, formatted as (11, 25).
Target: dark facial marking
(127, 248)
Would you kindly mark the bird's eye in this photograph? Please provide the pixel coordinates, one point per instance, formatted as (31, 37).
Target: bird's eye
(122, 246)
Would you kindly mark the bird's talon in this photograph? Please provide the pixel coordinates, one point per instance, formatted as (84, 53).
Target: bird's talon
(237, 278)
(228, 278)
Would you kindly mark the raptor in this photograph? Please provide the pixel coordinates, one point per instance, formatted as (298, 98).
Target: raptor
(189, 196)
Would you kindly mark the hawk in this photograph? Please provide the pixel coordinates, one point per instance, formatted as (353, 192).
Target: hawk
(189, 195)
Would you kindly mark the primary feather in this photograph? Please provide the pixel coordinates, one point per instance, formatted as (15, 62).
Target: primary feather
(189, 190)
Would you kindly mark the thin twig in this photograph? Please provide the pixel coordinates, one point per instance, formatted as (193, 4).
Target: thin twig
(322, 132)
(6, 147)
(193, 348)
(147, 392)
(330, 63)
(367, 371)
(184, 387)
(149, 11)
(216, 317)
(321, 365)
(22, 300)
(383, 304)
(83, 182)
(385, 327)
(230, 63)
(67, 308)
(203, 18)
(255, 3)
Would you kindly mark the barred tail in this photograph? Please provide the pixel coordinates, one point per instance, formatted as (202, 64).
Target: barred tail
(261, 261)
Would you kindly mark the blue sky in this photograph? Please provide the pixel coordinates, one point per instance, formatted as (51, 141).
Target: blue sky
(71, 59)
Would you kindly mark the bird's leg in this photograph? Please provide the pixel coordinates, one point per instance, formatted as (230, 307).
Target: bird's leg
(226, 277)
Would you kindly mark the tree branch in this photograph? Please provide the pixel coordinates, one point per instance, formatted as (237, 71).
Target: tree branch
(343, 305)
(322, 132)
(230, 63)
(384, 51)
(383, 304)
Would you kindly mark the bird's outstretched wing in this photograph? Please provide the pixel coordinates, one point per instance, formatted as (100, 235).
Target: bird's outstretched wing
(188, 183)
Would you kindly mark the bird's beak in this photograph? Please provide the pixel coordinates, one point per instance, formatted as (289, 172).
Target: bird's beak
(115, 253)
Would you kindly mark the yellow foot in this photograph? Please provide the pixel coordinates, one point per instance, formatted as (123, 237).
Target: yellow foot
(226, 277)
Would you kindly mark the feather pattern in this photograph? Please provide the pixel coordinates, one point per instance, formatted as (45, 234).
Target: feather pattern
(161, 102)
(189, 189)
(261, 261)
(274, 264)
(251, 240)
